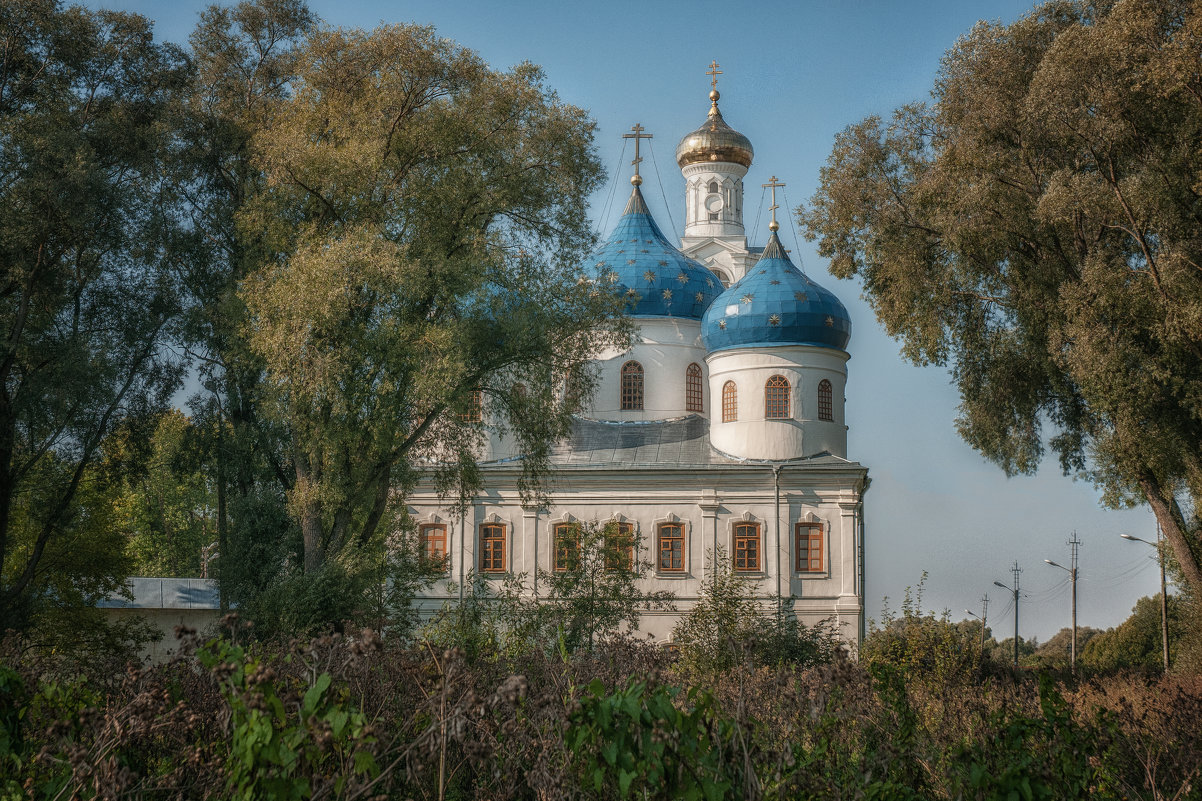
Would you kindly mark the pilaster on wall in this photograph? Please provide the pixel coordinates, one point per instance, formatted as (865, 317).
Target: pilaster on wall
(709, 504)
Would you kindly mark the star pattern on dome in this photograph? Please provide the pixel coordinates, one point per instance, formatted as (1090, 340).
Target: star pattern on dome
(699, 297)
(830, 321)
(600, 264)
(774, 319)
(649, 276)
(774, 282)
(722, 324)
(663, 262)
(644, 250)
(632, 293)
(631, 261)
(612, 276)
(681, 277)
(747, 298)
(800, 297)
(667, 294)
(709, 282)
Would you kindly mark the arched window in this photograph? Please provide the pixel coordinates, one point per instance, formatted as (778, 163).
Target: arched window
(632, 386)
(692, 388)
(730, 402)
(776, 398)
(826, 410)
(713, 187)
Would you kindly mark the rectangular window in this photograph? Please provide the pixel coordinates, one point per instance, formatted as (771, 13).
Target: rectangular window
(809, 547)
(433, 539)
(567, 546)
(619, 546)
(492, 548)
(747, 546)
(670, 548)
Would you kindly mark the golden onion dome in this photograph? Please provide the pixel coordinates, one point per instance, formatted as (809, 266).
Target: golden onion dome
(714, 141)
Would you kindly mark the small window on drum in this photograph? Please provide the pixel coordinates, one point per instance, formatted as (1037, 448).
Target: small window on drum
(632, 387)
(730, 402)
(776, 398)
(826, 409)
(693, 397)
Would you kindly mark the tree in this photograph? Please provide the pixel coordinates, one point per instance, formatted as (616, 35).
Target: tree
(1138, 641)
(595, 589)
(88, 299)
(1036, 227)
(243, 59)
(423, 224)
(729, 625)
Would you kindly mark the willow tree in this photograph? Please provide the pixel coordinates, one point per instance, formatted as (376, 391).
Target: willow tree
(1037, 227)
(423, 217)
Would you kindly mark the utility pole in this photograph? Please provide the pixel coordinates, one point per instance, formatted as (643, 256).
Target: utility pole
(1164, 597)
(1074, 544)
(1016, 570)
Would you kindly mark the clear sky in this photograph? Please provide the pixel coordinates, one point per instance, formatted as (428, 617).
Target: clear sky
(795, 72)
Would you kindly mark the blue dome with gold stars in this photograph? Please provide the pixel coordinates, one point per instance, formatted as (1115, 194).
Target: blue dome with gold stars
(775, 304)
(656, 278)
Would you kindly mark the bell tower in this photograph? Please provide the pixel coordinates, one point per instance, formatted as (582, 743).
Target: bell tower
(714, 159)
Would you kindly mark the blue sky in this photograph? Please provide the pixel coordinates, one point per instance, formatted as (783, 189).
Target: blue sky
(794, 74)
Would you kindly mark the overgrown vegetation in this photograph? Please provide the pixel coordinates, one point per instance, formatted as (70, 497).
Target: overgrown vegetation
(357, 716)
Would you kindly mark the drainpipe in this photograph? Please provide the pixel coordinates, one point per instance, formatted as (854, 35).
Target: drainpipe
(776, 481)
(863, 569)
(462, 546)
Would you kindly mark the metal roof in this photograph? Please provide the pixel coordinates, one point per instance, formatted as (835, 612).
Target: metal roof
(775, 304)
(656, 279)
(682, 442)
(166, 593)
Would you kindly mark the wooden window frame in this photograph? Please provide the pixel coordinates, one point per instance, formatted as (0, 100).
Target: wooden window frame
(631, 387)
(776, 406)
(744, 533)
(565, 533)
(663, 538)
(613, 556)
(424, 532)
(730, 402)
(826, 404)
(811, 536)
(694, 394)
(493, 556)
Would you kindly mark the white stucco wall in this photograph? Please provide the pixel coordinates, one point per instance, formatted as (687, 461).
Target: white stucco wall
(729, 178)
(708, 503)
(754, 437)
(665, 348)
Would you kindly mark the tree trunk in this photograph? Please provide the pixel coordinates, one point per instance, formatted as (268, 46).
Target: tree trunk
(1172, 523)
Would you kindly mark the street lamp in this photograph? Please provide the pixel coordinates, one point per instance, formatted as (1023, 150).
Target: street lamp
(970, 613)
(1072, 572)
(1164, 598)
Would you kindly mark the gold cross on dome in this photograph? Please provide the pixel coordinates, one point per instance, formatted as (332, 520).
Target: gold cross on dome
(713, 72)
(638, 134)
(773, 226)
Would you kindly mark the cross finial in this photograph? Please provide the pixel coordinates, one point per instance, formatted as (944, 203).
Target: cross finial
(773, 226)
(638, 134)
(713, 72)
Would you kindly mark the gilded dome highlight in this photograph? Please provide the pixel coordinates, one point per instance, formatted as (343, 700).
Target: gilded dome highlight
(715, 141)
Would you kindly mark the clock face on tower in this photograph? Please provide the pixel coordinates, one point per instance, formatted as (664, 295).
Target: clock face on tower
(713, 203)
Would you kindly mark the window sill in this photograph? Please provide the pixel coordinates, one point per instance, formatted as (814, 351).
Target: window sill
(671, 575)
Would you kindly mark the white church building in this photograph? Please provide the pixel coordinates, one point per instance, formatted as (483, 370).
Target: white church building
(720, 431)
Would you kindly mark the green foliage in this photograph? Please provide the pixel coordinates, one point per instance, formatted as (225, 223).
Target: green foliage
(87, 237)
(597, 590)
(1137, 642)
(639, 741)
(1037, 757)
(1035, 228)
(422, 224)
(729, 625)
(278, 745)
(167, 508)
